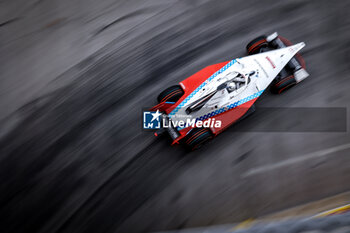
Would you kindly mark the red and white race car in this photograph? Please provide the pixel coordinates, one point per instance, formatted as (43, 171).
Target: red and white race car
(209, 101)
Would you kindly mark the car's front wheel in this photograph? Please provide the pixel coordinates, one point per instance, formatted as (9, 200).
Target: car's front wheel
(281, 85)
(255, 45)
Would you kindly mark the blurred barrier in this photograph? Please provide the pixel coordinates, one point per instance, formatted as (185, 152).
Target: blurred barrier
(329, 224)
(335, 220)
(335, 211)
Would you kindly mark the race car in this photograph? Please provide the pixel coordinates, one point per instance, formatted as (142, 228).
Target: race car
(206, 103)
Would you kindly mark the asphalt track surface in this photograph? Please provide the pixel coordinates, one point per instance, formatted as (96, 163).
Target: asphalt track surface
(75, 159)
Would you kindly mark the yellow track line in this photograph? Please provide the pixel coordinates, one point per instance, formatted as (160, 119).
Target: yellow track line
(338, 210)
(243, 225)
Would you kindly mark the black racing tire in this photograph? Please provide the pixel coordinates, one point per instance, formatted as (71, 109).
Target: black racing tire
(281, 85)
(254, 45)
(197, 137)
(171, 94)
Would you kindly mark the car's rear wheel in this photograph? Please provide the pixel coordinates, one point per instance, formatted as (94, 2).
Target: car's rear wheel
(255, 45)
(197, 137)
(283, 84)
(171, 94)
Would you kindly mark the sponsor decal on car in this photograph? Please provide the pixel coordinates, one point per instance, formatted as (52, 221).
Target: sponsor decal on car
(261, 67)
(271, 62)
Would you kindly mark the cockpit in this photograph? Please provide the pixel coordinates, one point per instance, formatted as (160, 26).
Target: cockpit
(234, 83)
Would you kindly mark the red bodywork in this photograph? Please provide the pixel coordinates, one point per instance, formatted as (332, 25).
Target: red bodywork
(189, 85)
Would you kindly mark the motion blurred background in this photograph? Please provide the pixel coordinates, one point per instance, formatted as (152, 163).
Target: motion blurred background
(75, 75)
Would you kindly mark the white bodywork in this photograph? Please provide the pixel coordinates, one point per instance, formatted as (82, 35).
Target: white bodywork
(265, 66)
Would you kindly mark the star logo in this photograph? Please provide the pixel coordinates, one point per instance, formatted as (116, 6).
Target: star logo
(151, 120)
(156, 115)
